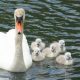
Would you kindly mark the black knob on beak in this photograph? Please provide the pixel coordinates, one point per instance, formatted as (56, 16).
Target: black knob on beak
(19, 19)
(19, 33)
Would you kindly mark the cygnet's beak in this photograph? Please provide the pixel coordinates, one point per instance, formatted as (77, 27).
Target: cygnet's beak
(37, 54)
(19, 26)
(38, 44)
(53, 49)
(69, 58)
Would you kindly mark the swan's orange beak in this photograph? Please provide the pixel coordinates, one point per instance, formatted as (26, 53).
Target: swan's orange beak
(19, 27)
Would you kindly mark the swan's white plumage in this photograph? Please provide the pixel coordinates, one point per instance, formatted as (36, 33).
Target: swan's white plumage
(7, 51)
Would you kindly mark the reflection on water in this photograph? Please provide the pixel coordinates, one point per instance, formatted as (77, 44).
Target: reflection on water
(50, 20)
(18, 76)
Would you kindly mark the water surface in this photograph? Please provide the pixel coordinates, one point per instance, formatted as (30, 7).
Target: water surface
(50, 20)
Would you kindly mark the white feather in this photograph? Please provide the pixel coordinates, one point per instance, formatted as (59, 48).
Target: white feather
(7, 51)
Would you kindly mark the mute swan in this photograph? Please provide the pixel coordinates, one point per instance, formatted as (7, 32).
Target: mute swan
(14, 50)
(38, 43)
(52, 51)
(62, 46)
(37, 55)
(65, 59)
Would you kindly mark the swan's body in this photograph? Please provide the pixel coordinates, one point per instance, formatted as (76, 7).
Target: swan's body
(38, 43)
(37, 55)
(65, 59)
(53, 50)
(14, 50)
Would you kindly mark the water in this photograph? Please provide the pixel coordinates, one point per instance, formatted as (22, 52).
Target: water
(50, 20)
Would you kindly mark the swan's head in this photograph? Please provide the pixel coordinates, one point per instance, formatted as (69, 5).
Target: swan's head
(19, 15)
(68, 56)
(62, 43)
(38, 41)
(36, 51)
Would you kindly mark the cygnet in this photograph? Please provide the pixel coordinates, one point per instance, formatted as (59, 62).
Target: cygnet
(65, 59)
(38, 43)
(37, 55)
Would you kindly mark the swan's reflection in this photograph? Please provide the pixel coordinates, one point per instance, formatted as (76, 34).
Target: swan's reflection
(4, 75)
(17, 76)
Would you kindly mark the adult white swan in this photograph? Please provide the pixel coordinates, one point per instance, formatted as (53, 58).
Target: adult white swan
(14, 50)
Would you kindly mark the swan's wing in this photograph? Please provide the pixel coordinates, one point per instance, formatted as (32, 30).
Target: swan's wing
(11, 41)
(2, 43)
(5, 55)
(26, 53)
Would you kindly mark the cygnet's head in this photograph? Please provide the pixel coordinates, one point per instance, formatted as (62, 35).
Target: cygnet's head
(38, 41)
(19, 15)
(36, 51)
(52, 47)
(62, 43)
(68, 55)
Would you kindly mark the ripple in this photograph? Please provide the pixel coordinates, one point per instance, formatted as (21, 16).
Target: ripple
(50, 20)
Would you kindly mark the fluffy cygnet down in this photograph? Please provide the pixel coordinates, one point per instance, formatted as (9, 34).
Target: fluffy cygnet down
(62, 46)
(65, 59)
(37, 55)
(53, 50)
(38, 43)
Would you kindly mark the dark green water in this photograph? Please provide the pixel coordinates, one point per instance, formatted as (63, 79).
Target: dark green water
(50, 20)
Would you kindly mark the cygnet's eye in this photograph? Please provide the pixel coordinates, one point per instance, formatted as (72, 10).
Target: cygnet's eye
(35, 51)
(38, 52)
(69, 58)
(52, 47)
(64, 43)
(39, 42)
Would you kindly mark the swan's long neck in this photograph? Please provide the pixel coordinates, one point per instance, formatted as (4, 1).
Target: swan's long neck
(18, 47)
(18, 58)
